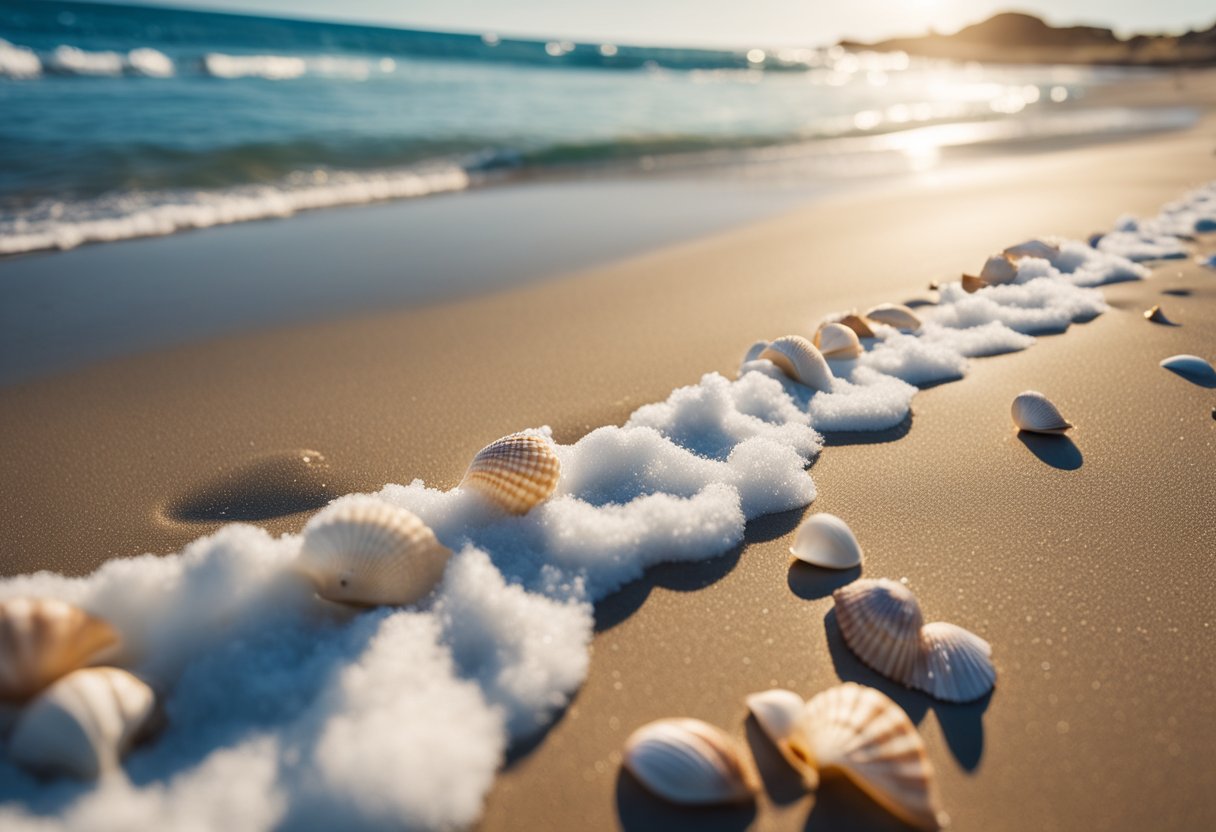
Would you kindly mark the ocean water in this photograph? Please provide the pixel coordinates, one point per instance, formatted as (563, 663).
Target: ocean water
(132, 121)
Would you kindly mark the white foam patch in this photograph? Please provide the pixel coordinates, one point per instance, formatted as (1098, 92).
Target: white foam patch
(289, 67)
(18, 62)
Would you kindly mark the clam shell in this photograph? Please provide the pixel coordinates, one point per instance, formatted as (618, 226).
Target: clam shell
(517, 472)
(880, 622)
(1033, 248)
(83, 724)
(835, 340)
(799, 359)
(858, 324)
(1157, 316)
(825, 540)
(690, 762)
(365, 551)
(894, 314)
(1034, 412)
(753, 352)
(858, 732)
(956, 665)
(972, 284)
(998, 269)
(1191, 367)
(779, 714)
(42, 639)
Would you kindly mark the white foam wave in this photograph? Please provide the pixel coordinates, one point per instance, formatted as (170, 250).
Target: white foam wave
(55, 225)
(18, 61)
(70, 60)
(287, 67)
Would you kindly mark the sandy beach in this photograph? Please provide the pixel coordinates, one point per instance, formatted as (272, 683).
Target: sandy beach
(1084, 561)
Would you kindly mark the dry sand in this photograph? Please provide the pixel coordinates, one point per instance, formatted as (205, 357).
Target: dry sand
(1086, 563)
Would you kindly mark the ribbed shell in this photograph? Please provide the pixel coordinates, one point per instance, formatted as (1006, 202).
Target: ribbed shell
(896, 315)
(365, 551)
(998, 269)
(1156, 316)
(1191, 367)
(858, 324)
(42, 639)
(972, 284)
(1033, 248)
(956, 665)
(1034, 412)
(860, 733)
(799, 359)
(837, 341)
(779, 714)
(517, 472)
(880, 622)
(825, 540)
(83, 724)
(690, 762)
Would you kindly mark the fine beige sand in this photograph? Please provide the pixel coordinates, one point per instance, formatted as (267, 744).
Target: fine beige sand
(1086, 562)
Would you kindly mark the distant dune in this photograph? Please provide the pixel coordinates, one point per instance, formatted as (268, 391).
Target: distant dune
(1012, 37)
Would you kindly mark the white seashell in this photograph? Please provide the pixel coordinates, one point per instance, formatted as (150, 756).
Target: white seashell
(836, 340)
(825, 540)
(799, 359)
(83, 724)
(518, 472)
(691, 762)
(779, 714)
(753, 352)
(42, 639)
(896, 315)
(1191, 367)
(1157, 316)
(956, 664)
(972, 284)
(998, 269)
(1034, 412)
(365, 551)
(858, 732)
(880, 622)
(1033, 248)
(858, 324)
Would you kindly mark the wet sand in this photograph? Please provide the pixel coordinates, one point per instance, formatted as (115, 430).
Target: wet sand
(1085, 562)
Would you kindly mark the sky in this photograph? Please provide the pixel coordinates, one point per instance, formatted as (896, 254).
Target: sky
(735, 23)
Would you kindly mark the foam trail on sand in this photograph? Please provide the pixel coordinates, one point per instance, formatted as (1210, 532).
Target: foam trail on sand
(288, 711)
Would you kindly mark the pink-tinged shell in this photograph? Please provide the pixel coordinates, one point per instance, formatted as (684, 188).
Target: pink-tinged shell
(880, 622)
(1034, 412)
(896, 315)
(956, 665)
(861, 734)
(998, 269)
(364, 551)
(517, 472)
(690, 762)
(836, 340)
(799, 359)
(43, 639)
(972, 284)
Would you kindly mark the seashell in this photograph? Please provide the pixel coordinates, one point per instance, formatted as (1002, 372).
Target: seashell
(365, 551)
(998, 269)
(799, 359)
(691, 762)
(1191, 367)
(956, 665)
(837, 341)
(880, 622)
(779, 714)
(1157, 316)
(42, 639)
(896, 315)
(83, 724)
(825, 540)
(972, 284)
(1033, 248)
(753, 352)
(1034, 412)
(933, 286)
(858, 324)
(518, 472)
(861, 734)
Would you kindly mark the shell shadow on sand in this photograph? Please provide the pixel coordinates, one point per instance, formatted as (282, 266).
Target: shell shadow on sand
(638, 810)
(1059, 452)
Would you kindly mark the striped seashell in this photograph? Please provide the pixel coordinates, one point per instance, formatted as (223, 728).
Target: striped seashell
(896, 315)
(1034, 412)
(83, 724)
(825, 540)
(1033, 248)
(1192, 368)
(859, 733)
(880, 622)
(835, 340)
(688, 761)
(42, 639)
(1157, 316)
(972, 284)
(779, 714)
(858, 324)
(517, 472)
(362, 550)
(956, 665)
(799, 359)
(998, 269)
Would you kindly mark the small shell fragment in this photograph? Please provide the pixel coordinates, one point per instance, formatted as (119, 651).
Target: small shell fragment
(1157, 316)
(799, 359)
(1034, 412)
(836, 340)
(972, 284)
(896, 315)
(42, 639)
(825, 540)
(518, 472)
(690, 762)
(998, 269)
(1033, 248)
(1192, 368)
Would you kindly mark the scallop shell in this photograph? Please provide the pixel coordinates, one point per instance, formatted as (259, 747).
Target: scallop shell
(83, 724)
(972, 284)
(858, 732)
(998, 269)
(1034, 412)
(365, 551)
(779, 714)
(799, 359)
(837, 341)
(825, 540)
(858, 324)
(956, 664)
(1191, 367)
(42, 639)
(1157, 316)
(517, 472)
(753, 352)
(691, 762)
(894, 314)
(1033, 248)
(880, 622)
